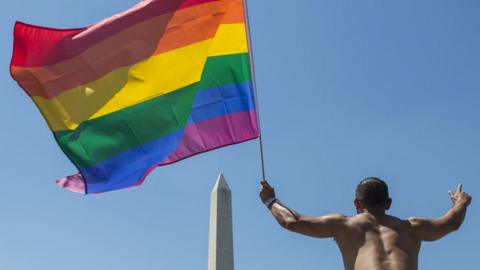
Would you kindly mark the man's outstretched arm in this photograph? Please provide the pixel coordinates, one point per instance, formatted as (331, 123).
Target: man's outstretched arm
(434, 229)
(322, 227)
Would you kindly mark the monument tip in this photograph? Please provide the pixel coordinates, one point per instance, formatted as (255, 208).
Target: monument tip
(221, 183)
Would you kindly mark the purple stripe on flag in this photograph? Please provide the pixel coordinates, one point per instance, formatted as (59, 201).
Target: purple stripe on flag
(214, 133)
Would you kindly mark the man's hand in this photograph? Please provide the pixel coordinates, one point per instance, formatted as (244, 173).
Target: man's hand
(459, 197)
(266, 191)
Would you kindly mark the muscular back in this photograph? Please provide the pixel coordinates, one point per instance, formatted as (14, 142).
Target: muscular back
(372, 243)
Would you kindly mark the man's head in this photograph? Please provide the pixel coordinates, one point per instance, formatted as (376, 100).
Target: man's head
(372, 194)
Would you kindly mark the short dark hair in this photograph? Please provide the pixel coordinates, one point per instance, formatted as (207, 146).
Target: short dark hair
(372, 192)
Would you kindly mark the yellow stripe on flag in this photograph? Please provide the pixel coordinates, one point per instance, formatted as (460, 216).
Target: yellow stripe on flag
(230, 39)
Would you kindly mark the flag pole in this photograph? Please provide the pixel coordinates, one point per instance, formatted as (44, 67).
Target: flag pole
(254, 82)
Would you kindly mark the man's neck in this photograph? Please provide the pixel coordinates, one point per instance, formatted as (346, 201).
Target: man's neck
(375, 212)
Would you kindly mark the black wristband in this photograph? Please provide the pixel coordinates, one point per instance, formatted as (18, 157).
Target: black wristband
(270, 201)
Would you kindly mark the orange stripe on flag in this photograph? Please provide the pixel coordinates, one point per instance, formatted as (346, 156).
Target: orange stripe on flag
(235, 13)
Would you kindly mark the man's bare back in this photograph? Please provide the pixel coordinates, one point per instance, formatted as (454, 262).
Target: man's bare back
(372, 240)
(375, 243)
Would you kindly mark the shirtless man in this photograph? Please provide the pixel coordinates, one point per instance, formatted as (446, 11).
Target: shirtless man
(372, 240)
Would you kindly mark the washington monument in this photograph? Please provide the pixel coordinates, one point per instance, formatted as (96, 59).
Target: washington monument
(220, 248)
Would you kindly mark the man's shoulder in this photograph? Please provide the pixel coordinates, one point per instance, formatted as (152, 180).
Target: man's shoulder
(334, 218)
(397, 219)
(363, 223)
(368, 218)
(337, 216)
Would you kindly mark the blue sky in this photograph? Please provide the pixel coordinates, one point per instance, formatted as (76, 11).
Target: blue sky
(347, 89)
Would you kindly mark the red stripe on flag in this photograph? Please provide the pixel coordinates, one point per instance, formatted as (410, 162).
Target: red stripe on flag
(37, 46)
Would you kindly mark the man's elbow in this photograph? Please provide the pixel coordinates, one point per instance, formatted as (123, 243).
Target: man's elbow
(290, 223)
(455, 226)
(449, 228)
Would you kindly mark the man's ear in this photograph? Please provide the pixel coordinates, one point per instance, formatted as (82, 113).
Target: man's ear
(388, 204)
(358, 205)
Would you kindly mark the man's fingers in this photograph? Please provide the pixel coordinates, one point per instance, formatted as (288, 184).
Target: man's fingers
(265, 184)
(452, 196)
(459, 188)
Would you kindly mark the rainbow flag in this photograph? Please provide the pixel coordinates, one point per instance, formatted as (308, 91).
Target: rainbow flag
(162, 81)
